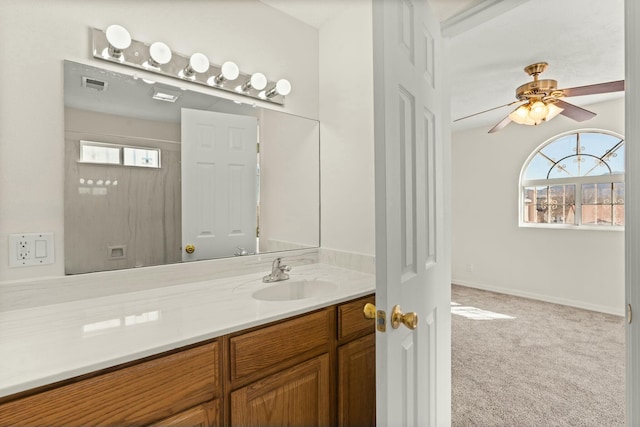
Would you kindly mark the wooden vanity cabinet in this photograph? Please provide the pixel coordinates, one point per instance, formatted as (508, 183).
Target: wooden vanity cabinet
(316, 369)
(280, 374)
(356, 365)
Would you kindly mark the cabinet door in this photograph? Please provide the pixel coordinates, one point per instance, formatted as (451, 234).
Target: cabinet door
(357, 382)
(297, 396)
(205, 415)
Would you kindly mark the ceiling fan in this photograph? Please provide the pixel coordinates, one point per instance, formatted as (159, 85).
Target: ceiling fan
(541, 100)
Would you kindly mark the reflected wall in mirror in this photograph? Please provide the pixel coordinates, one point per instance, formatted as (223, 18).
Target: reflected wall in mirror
(124, 176)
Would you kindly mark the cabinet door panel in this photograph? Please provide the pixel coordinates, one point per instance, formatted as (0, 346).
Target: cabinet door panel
(298, 396)
(205, 415)
(357, 382)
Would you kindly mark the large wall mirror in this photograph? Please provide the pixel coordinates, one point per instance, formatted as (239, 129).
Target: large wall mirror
(158, 174)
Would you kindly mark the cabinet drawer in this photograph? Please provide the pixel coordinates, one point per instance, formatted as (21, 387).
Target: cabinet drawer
(134, 395)
(266, 347)
(351, 321)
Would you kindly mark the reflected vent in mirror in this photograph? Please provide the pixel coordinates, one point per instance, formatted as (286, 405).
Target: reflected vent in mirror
(94, 84)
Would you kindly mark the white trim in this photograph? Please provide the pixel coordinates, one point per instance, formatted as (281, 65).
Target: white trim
(572, 226)
(632, 207)
(616, 311)
(477, 15)
(599, 179)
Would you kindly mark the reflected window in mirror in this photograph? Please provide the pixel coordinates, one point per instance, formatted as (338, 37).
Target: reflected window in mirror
(112, 154)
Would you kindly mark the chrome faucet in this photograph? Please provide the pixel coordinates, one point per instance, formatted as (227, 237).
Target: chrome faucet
(277, 272)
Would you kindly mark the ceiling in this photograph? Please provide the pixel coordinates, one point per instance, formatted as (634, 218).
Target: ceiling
(129, 96)
(582, 40)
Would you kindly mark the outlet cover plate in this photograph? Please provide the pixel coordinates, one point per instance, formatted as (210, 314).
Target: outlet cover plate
(27, 249)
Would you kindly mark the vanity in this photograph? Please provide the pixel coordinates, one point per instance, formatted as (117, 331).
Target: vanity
(150, 337)
(217, 352)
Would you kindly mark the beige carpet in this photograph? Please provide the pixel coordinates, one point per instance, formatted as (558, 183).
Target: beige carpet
(551, 365)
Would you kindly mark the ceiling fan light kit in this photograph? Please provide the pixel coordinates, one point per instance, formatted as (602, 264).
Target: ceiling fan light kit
(541, 100)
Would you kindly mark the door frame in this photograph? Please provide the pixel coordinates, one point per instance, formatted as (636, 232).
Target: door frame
(632, 210)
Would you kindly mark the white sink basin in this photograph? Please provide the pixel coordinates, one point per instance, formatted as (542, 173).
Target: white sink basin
(290, 290)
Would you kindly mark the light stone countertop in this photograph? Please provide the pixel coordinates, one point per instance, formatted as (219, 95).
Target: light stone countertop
(49, 343)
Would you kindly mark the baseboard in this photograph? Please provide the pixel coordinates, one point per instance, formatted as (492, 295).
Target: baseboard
(541, 297)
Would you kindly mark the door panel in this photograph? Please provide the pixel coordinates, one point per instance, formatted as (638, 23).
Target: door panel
(412, 257)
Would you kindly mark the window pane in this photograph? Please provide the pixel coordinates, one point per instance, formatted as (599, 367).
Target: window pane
(596, 194)
(603, 204)
(618, 215)
(149, 158)
(561, 147)
(96, 153)
(529, 213)
(569, 167)
(602, 146)
(615, 160)
(558, 151)
(551, 205)
(597, 143)
(538, 167)
(561, 204)
(618, 203)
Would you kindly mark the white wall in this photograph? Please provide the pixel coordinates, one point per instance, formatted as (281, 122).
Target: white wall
(346, 131)
(39, 34)
(574, 267)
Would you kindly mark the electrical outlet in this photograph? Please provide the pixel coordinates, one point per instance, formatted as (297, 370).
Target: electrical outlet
(23, 250)
(28, 249)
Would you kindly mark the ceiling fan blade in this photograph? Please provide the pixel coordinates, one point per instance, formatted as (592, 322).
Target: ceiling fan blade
(607, 87)
(486, 111)
(500, 125)
(574, 112)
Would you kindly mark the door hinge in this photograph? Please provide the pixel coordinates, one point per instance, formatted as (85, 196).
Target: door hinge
(629, 314)
(381, 321)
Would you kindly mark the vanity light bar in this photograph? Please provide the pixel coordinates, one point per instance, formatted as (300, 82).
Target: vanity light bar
(159, 59)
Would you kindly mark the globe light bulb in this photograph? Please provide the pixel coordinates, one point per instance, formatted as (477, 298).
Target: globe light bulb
(118, 36)
(538, 111)
(258, 81)
(160, 54)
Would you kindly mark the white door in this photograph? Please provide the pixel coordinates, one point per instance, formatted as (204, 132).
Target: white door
(218, 184)
(412, 232)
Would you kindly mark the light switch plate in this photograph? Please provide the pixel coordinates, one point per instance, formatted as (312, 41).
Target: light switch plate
(28, 249)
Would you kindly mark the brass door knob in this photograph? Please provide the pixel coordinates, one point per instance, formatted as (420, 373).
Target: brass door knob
(189, 249)
(369, 311)
(410, 320)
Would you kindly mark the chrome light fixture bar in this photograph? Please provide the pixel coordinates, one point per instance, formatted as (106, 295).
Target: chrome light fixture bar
(116, 45)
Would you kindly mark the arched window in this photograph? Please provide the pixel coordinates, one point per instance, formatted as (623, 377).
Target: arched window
(575, 179)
